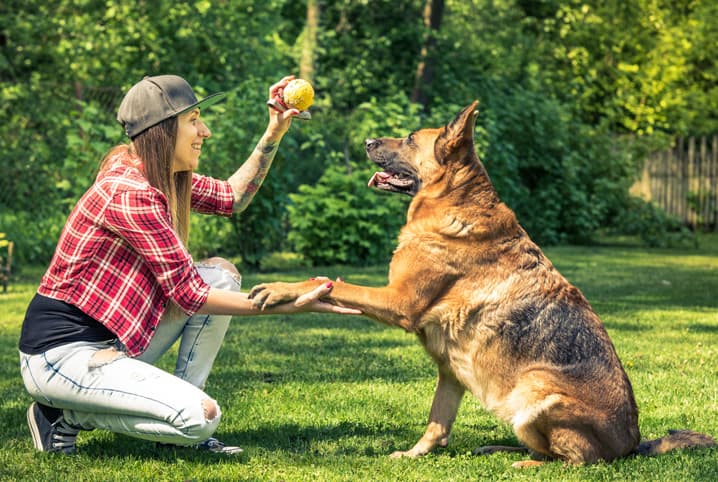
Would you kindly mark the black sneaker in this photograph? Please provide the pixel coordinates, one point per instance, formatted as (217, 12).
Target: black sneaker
(214, 445)
(209, 445)
(48, 436)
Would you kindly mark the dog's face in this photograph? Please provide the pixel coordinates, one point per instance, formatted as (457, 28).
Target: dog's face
(410, 162)
(406, 162)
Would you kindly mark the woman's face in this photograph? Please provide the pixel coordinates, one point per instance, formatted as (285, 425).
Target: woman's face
(191, 132)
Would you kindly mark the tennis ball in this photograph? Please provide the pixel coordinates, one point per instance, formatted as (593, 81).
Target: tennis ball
(299, 94)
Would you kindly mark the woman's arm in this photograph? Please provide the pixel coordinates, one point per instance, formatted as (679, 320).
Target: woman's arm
(226, 302)
(250, 176)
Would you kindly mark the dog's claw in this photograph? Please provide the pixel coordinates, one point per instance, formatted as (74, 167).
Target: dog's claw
(254, 291)
(259, 295)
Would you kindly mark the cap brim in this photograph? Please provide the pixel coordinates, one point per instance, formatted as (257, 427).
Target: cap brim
(206, 102)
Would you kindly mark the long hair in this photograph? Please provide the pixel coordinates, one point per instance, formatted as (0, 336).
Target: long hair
(155, 147)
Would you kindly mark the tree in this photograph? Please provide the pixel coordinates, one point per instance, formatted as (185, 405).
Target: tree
(433, 12)
(309, 41)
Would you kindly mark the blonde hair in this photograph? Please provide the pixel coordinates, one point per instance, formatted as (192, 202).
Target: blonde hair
(155, 147)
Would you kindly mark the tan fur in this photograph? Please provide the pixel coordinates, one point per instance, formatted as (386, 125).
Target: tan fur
(491, 310)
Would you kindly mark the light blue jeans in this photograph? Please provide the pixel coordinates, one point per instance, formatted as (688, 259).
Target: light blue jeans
(99, 387)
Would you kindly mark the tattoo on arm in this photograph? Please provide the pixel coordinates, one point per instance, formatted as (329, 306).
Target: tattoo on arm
(250, 176)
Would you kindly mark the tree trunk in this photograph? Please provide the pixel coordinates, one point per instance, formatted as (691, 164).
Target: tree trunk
(433, 12)
(309, 41)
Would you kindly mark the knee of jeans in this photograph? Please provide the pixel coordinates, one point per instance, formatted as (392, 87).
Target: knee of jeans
(211, 416)
(226, 277)
(211, 409)
(221, 263)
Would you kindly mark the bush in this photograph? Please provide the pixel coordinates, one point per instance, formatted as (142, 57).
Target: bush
(35, 237)
(340, 220)
(652, 225)
(562, 178)
(283, 261)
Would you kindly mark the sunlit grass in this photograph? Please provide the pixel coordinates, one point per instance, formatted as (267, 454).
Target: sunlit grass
(320, 397)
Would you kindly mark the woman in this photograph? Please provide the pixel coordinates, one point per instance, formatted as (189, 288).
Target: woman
(122, 287)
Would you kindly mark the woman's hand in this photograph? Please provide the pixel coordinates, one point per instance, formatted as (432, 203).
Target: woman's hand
(279, 122)
(311, 301)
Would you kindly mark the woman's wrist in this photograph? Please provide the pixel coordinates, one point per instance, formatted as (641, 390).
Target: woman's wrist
(272, 136)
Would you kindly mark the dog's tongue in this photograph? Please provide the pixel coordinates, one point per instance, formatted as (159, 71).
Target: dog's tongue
(378, 177)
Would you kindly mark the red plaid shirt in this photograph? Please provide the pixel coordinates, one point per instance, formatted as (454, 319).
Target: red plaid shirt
(119, 259)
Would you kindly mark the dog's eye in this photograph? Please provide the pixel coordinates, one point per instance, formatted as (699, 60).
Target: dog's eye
(410, 139)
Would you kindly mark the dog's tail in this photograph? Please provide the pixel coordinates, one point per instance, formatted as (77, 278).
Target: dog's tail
(676, 439)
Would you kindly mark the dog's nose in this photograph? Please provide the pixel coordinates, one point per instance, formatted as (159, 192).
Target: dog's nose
(371, 144)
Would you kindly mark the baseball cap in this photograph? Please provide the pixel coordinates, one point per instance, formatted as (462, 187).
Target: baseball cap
(154, 99)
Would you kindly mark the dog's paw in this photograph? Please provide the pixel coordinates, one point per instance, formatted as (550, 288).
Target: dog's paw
(412, 454)
(267, 295)
(399, 454)
(527, 464)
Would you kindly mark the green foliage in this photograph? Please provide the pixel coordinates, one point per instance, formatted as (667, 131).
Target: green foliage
(339, 220)
(654, 227)
(558, 82)
(35, 237)
(283, 261)
(85, 146)
(640, 66)
(209, 235)
(364, 52)
(562, 178)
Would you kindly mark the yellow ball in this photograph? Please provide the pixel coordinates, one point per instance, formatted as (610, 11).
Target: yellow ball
(299, 94)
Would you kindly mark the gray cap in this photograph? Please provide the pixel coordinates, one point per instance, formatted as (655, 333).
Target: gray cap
(154, 99)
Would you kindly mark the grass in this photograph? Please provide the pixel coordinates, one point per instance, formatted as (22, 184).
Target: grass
(323, 397)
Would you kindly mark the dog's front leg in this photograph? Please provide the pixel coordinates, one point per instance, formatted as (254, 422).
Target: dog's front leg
(447, 399)
(388, 305)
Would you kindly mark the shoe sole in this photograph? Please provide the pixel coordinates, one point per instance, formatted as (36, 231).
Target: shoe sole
(34, 429)
(228, 451)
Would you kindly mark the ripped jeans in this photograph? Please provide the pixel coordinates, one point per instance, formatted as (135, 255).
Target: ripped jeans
(99, 387)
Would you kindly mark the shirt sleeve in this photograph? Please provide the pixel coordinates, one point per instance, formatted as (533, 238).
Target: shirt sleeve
(211, 196)
(141, 218)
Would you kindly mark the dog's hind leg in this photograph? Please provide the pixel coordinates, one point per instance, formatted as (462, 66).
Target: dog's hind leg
(447, 399)
(551, 439)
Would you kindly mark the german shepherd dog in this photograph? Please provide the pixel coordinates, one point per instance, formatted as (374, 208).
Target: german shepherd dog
(492, 311)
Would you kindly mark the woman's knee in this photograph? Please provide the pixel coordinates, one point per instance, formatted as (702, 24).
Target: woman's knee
(221, 263)
(211, 409)
(202, 429)
(220, 273)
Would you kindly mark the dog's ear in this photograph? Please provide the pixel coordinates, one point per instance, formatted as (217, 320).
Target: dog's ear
(456, 141)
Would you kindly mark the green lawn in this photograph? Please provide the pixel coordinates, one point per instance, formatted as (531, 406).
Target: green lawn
(322, 397)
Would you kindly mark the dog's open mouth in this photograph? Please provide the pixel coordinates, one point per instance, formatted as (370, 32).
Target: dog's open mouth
(390, 181)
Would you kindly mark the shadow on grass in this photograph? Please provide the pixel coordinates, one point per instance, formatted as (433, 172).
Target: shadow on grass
(289, 438)
(628, 326)
(702, 328)
(320, 348)
(300, 439)
(341, 439)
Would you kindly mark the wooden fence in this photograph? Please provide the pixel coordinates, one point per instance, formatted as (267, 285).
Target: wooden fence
(684, 181)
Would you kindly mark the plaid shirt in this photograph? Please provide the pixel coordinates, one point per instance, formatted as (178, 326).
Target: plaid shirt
(119, 259)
